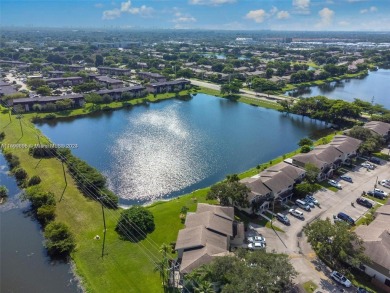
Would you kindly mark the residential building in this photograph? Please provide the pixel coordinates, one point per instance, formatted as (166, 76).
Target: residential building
(6, 89)
(55, 73)
(376, 241)
(209, 233)
(379, 127)
(114, 71)
(60, 81)
(167, 86)
(27, 103)
(153, 77)
(109, 82)
(116, 94)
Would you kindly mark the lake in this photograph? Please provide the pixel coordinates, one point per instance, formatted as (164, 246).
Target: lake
(374, 85)
(24, 264)
(174, 147)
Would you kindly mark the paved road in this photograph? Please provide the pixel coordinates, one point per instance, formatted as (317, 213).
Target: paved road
(293, 243)
(243, 92)
(11, 78)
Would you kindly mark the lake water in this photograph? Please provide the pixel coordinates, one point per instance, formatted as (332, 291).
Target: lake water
(374, 85)
(174, 147)
(24, 265)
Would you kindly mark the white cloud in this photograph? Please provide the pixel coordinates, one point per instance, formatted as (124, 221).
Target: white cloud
(282, 14)
(98, 5)
(326, 16)
(211, 2)
(301, 6)
(111, 14)
(183, 18)
(127, 8)
(367, 10)
(257, 15)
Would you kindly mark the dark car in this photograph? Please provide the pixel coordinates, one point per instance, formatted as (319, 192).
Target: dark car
(361, 290)
(375, 160)
(346, 218)
(282, 218)
(364, 202)
(376, 194)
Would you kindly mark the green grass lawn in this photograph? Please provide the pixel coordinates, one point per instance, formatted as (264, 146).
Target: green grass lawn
(382, 156)
(310, 286)
(328, 186)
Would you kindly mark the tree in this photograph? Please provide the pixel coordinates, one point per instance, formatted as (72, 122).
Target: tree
(305, 141)
(230, 193)
(35, 83)
(106, 99)
(371, 141)
(268, 73)
(93, 98)
(46, 213)
(44, 90)
(304, 188)
(312, 172)
(335, 243)
(246, 271)
(59, 239)
(3, 191)
(134, 223)
(99, 60)
(163, 266)
(20, 174)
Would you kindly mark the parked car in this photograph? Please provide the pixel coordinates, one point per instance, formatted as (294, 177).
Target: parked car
(256, 245)
(375, 160)
(364, 202)
(381, 191)
(368, 165)
(385, 183)
(296, 213)
(256, 239)
(375, 194)
(339, 278)
(346, 218)
(282, 218)
(312, 199)
(346, 178)
(361, 290)
(303, 205)
(334, 183)
(309, 202)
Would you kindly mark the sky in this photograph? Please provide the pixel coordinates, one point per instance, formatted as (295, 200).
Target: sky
(308, 15)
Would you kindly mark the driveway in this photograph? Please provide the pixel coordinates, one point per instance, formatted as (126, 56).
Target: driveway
(293, 243)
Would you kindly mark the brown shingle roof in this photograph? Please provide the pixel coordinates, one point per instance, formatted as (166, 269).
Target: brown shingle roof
(256, 186)
(211, 221)
(195, 258)
(199, 236)
(225, 212)
(346, 144)
(378, 127)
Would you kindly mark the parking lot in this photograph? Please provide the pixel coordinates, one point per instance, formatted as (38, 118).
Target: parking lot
(291, 241)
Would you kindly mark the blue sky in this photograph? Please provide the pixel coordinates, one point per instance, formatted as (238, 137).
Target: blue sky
(344, 15)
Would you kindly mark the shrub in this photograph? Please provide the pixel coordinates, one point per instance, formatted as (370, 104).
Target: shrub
(42, 152)
(3, 191)
(20, 174)
(135, 223)
(35, 180)
(305, 149)
(2, 135)
(13, 161)
(59, 239)
(50, 116)
(46, 213)
(39, 198)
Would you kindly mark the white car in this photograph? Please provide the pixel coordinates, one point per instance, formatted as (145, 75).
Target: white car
(341, 279)
(256, 239)
(377, 190)
(296, 213)
(385, 183)
(256, 245)
(334, 183)
(368, 166)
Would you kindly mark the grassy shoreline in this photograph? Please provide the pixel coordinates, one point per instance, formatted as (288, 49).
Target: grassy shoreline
(125, 263)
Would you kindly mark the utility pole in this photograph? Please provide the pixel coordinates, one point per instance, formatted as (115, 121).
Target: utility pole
(20, 122)
(9, 114)
(104, 224)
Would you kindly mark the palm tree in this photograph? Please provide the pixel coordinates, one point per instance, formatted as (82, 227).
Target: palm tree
(204, 287)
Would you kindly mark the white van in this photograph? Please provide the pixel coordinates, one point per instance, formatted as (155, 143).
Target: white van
(303, 205)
